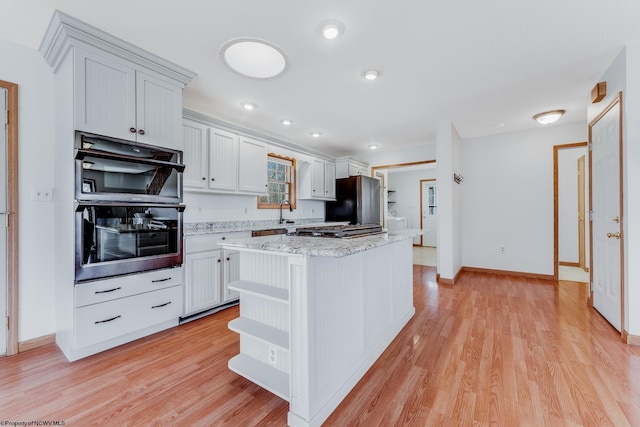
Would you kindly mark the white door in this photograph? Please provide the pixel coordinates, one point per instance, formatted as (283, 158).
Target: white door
(606, 223)
(429, 212)
(3, 222)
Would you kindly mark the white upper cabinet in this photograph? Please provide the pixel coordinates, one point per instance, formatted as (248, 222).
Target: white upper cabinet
(346, 167)
(223, 160)
(219, 161)
(118, 99)
(252, 166)
(317, 180)
(194, 136)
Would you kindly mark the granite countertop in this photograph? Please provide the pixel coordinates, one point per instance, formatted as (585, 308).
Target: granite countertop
(320, 246)
(201, 229)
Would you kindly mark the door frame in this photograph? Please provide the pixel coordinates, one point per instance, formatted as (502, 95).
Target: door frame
(556, 201)
(421, 226)
(12, 220)
(582, 263)
(617, 101)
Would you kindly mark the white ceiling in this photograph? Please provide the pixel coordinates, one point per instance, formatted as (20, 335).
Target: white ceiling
(474, 63)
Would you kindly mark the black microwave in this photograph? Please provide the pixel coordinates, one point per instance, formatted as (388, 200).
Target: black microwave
(111, 169)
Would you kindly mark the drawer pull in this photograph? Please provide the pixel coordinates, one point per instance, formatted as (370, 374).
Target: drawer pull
(161, 280)
(161, 305)
(108, 320)
(108, 290)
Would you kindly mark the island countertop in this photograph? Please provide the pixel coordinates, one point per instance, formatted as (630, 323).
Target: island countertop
(320, 246)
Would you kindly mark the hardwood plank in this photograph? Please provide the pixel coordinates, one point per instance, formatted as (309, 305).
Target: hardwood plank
(492, 349)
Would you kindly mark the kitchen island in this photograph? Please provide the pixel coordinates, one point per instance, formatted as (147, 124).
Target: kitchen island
(316, 313)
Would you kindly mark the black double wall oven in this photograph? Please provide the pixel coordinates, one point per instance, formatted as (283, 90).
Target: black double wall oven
(128, 207)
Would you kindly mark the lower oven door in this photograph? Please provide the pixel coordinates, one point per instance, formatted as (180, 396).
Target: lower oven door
(120, 238)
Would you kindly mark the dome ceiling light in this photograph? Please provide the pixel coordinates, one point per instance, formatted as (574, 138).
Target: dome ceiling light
(548, 117)
(258, 59)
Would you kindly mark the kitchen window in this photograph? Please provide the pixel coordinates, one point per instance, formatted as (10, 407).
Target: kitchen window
(281, 180)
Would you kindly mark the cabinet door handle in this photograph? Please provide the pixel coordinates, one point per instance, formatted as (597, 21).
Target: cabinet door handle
(161, 305)
(141, 131)
(219, 260)
(213, 179)
(133, 130)
(161, 280)
(204, 179)
(108, 290)
(228, 259)
(108, 320)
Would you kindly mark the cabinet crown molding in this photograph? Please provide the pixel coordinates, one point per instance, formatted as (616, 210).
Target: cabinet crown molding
(65, 31)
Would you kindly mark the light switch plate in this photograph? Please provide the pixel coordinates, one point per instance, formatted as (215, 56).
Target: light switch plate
(39, 194)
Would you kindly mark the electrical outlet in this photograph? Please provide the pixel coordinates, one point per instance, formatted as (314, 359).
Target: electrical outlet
(273, 356)
(42, 194)
(501, 249)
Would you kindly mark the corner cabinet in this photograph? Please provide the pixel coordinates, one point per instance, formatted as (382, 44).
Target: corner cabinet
(219, 161)
(116, 98)
(317, 180)
(208, 271)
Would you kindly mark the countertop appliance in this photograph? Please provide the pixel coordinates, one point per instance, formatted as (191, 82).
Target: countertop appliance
(357, 201)
(341, 231)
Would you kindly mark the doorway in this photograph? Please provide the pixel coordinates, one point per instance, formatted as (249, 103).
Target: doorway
(9, 212)
(570, 233)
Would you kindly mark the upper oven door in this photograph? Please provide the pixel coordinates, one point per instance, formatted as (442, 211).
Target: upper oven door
(109, 169)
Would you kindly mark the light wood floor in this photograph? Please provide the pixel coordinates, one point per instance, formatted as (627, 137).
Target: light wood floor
(491, 350)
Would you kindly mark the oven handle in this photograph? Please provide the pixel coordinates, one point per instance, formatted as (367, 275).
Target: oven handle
(80, 205)
(81, 153)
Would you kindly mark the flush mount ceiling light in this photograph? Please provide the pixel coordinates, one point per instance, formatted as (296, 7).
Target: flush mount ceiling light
(316, 134)
(254, 58)
(248, 106)
(370, 74)
(373, 146)
(331, 29)
(548, 117)
(286, 122)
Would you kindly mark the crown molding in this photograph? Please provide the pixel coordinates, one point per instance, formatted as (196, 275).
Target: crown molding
(239, 129)
(64, 32)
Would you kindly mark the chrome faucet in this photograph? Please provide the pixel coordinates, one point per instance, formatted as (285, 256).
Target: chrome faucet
(290, 209)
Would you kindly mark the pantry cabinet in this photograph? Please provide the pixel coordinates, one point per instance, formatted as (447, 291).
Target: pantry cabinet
(218, 161)
(114, 97)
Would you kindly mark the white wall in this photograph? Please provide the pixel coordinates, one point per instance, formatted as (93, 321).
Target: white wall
(406, 185)
(27, 68)
(568, 203)
(450, 201)
(508, 198)
(385, 157)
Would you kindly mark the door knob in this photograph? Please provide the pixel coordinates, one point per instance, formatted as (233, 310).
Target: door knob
(613, 235)
(616, 220)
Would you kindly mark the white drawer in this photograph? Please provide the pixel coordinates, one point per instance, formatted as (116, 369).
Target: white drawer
(123, 286)
(101, 322)
(209, 242)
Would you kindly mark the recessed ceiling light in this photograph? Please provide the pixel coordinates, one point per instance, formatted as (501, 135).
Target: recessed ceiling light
(316, 134)
(501, 125)
(254, 58)
(370, 75)
(331, 29)
(248, 105)
(286, 122)
(373, 146)
(548, 117)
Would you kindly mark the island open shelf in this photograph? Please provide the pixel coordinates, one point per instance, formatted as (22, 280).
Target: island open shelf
(316, 313)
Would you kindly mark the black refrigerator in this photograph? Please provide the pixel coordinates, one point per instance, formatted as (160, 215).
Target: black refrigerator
(357, 201)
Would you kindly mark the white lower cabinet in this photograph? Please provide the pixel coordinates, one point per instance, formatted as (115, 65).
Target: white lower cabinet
(113, 311)
(208, 271)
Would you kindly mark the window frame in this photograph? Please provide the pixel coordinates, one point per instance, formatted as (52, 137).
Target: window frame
(292, 184)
